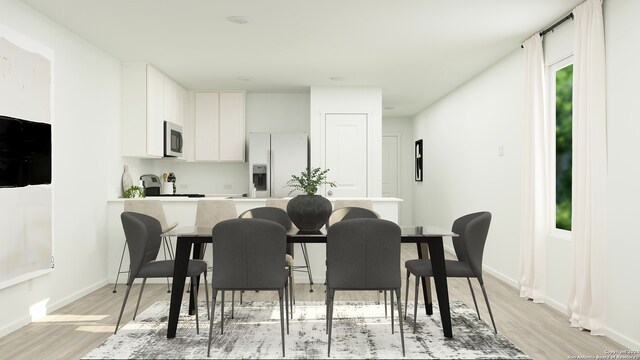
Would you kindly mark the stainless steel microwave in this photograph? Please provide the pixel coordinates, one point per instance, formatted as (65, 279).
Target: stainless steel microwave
(172, 139)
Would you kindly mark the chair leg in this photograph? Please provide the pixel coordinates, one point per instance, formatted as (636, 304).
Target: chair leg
(473, 295)
(385, 304)
(385, 308)
(221, 313)
(281, 320)
(415, 304)
(291, 291)
(406, 295)
(233, 300)
(124, 302)
(165, 248)
(206, 295)
(135, 312)
(214, 293)
(331, 293)
(305, 254)
(120, 267)
(486, 299)
(286, 304)
(400, 318)
(194, 290)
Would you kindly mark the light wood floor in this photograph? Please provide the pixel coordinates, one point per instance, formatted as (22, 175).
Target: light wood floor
(71, 332)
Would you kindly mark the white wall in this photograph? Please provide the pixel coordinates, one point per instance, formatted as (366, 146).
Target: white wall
(623, 76)
(463, 172)
(85, 147)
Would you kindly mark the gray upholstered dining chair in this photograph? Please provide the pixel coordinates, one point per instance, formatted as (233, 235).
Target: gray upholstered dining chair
(472, 230)
(154, 209)
(248, 254)
(343, 212)
(143, 236)
(278, 216)
(282, 204)
(363, 254)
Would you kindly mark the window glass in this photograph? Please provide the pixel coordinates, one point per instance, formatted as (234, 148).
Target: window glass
(563, 122)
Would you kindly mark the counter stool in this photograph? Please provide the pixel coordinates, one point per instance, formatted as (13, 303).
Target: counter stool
(154, 209)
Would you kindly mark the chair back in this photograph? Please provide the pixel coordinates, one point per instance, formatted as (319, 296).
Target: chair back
(248, 254)
(348, 213)
(363, 254)
(152, 208)
(472, 230)
(361, 203)
(277, 203)
(143, 235)
(211, 212)
(269, 213)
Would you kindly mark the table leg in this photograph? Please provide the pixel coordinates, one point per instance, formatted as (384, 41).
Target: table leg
(440, 278)
(423, 253)
(183, 248)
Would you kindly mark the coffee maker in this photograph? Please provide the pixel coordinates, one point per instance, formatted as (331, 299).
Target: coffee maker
(151, 184)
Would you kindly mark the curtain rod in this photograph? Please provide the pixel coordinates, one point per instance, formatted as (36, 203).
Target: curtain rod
(557, 23)
(550, 28)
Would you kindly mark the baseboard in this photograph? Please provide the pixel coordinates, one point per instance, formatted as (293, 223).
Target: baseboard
(624, 341)
(26, 320)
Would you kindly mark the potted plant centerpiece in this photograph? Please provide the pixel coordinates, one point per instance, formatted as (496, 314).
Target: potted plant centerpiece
(309, 212)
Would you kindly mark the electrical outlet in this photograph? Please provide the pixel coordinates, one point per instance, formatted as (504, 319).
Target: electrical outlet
(227, 186)
(182, 186)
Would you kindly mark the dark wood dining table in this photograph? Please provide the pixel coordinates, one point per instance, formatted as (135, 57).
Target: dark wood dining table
(429, 240)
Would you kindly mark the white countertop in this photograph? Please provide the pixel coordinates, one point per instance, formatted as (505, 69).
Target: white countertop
(240, 199)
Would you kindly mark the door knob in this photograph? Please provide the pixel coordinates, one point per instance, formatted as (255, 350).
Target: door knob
(329, 192)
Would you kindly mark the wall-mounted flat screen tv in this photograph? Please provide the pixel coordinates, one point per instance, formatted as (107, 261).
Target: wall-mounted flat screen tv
(25, 152)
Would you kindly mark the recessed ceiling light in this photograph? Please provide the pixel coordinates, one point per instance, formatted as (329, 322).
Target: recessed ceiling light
(338, 78)
(238, 19)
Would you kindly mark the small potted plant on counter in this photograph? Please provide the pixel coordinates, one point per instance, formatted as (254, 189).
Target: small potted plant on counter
(134, 192)
(308, 211)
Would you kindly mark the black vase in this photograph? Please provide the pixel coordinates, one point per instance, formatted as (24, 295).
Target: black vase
(309, 212)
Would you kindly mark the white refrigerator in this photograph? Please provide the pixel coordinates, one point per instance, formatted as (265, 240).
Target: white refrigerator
(273, 158)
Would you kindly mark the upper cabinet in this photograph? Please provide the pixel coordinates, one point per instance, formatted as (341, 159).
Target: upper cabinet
(219, 126)
(149, 98)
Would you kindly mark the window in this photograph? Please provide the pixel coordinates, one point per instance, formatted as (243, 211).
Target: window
(561, 84)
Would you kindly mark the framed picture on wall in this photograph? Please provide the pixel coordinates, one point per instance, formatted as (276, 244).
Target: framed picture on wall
(418, 160)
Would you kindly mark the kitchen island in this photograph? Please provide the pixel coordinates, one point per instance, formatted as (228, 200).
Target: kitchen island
(183, 211)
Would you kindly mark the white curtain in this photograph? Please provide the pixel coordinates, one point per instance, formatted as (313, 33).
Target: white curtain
(588, 290)
(532, 271)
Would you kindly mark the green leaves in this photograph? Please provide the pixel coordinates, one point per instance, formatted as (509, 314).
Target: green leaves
(309, 180)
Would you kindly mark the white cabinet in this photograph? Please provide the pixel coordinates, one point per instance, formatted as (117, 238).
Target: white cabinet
(219, 126)
(149, 97)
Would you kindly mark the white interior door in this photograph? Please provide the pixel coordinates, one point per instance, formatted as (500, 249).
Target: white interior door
(346, 154)
(390, 165)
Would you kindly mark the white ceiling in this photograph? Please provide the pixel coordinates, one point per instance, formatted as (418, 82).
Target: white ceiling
(415, 50)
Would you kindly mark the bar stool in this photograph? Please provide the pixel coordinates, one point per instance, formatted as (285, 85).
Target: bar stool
(154, 209)
(282, 204)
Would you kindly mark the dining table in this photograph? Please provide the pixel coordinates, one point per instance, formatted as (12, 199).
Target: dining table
(191, 241)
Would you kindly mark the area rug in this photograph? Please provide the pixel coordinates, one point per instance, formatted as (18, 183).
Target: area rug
(360, 330)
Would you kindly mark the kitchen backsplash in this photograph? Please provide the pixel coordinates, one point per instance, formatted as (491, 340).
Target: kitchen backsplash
(191, 177)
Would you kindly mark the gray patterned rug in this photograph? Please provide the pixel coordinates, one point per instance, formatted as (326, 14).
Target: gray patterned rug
(360, 330)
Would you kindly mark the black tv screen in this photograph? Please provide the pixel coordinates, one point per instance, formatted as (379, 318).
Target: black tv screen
(25, 152)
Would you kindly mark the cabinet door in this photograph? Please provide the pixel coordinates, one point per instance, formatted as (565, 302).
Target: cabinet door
(207, 127)
(155, 112)
(232, 135)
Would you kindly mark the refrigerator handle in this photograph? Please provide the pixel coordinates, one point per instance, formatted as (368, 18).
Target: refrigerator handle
(270, 170)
